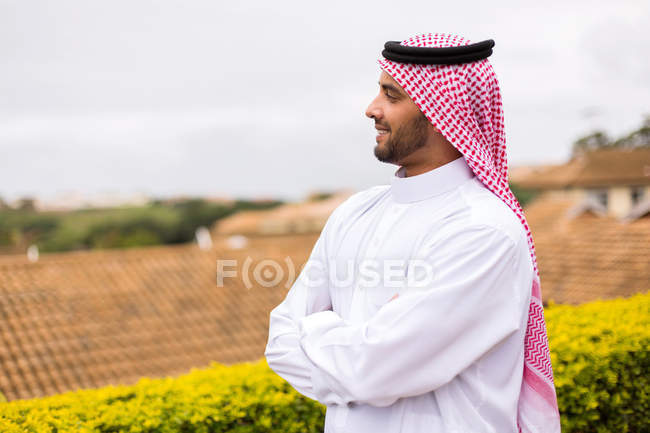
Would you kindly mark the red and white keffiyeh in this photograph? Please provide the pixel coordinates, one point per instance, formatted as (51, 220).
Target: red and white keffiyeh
(463, 102)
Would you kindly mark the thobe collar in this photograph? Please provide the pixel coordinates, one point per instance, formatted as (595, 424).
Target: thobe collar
(430, 183)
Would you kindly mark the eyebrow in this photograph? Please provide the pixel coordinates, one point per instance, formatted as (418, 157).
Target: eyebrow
(390, 87)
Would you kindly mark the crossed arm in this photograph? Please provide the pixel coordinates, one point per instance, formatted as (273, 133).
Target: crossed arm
(414, 344)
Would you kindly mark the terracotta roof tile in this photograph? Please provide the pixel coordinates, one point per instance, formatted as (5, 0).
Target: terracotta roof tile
(588, 257)
(88, 319)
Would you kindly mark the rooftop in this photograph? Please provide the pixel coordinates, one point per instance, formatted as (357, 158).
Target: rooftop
(584, 256)
(599, 168)
(89, 319)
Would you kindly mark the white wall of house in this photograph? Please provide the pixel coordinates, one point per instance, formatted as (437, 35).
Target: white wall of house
(576, 195)
(619, 202)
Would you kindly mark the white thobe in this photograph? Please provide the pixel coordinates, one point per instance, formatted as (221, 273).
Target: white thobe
(447, 354)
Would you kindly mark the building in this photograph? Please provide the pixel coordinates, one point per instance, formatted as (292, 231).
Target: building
(614, 182)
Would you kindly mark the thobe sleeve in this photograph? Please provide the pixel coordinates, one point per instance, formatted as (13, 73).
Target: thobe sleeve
(309, 294)
(422, 339)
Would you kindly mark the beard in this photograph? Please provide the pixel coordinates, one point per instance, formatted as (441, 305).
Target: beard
(405, 140)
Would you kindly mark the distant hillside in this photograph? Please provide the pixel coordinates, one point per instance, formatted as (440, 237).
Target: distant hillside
(160, 222)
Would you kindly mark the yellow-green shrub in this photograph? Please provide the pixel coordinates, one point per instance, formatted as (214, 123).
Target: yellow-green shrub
(244, 398)
(599, 353)
(601, 364)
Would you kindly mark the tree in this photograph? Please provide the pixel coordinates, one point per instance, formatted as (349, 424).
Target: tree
(593, 141)
(600, 140)
(523, 196)
(638, 138)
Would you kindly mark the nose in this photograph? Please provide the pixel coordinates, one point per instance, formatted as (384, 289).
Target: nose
(373, 111)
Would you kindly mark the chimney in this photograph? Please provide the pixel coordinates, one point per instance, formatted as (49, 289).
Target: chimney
(203, 238)
(32, 253)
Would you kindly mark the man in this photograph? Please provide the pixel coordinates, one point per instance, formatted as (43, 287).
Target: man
(462, 348)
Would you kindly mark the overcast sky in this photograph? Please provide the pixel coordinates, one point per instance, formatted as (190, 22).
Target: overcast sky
(266, 98)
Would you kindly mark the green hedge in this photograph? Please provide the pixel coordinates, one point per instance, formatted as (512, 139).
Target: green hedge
(599, 353)
(601, 364)
(244, 398)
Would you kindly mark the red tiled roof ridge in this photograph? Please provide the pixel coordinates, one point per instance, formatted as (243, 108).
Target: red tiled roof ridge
(109, 252)
(594, 168)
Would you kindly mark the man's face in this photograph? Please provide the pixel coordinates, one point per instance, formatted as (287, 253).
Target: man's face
(401, 127)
